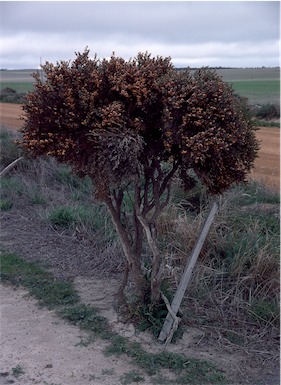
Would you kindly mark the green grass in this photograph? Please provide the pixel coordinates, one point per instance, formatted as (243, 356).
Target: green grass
(5, 204)
(87, 318)
(186, 370)
(258, 91)
(68, 216)
(49, 291)
(132, 377)
(254, 193)
(20, 87)
(17, 371)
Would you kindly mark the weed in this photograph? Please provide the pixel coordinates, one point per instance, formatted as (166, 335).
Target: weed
(152, 363)
(131, 377)
(151, 318)
(251, 193)
(63, 216)
(265, 123)
(11, 186)
(93, 218)
(17, 371)
(87, 318)
(37, 199)
(235, 338)
(108, 372)
(6, 204)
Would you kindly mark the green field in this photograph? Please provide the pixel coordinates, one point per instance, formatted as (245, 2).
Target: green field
(20, 87)
(259, 85)
(258, 91)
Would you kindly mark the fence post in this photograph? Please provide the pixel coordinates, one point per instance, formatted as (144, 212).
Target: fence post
(170, 319)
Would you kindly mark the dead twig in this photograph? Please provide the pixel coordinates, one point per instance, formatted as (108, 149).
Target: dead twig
(9, 167)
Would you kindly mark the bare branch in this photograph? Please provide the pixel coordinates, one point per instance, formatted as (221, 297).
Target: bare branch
(9, 167)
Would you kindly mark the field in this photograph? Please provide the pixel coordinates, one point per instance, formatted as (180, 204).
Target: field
(19, 80)
(259, 85)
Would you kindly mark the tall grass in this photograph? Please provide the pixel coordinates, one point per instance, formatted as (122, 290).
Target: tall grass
(235, 284)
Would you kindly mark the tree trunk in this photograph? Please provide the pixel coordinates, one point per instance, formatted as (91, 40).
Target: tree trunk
(155, 280)
(133, 260)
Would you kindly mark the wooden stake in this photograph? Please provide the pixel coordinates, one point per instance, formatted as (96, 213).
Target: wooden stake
(168, 324)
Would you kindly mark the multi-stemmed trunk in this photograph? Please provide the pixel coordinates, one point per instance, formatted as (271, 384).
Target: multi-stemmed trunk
(147, 203)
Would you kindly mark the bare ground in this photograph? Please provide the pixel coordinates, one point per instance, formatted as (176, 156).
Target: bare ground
(50, 351)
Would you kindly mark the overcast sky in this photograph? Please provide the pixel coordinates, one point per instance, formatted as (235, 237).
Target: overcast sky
(212, 33)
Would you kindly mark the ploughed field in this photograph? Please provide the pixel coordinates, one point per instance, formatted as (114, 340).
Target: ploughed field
(267, 165)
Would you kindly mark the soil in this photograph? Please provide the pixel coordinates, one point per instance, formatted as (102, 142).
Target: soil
(52, 352)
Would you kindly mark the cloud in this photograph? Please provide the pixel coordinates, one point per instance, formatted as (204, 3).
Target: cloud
(192, 33)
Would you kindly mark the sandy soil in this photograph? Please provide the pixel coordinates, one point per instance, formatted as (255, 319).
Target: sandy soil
(267, 165)
(50, 352)
(10, 115)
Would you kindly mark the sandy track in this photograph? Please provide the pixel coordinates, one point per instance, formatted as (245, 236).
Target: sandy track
(10, 115)
(267, 165)
(49, 350)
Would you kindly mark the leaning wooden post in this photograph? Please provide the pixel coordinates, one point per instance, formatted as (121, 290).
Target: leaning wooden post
(170, 319)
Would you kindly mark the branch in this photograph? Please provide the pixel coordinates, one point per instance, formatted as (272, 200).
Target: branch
(118, 197)
(138, 236)
(9, 167)
(168, 177)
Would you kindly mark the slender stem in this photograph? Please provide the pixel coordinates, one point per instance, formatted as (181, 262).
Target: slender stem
(133, 260)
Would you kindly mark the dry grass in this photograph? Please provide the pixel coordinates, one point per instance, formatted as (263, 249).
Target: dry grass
(234, 292)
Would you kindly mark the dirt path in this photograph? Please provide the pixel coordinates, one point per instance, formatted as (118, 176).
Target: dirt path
(49, 350)
(267, 165)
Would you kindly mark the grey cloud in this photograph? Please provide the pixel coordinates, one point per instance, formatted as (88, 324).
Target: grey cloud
(188, 21)
(56, 29)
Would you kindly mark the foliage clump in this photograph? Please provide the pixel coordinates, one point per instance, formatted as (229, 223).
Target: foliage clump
(132, 126)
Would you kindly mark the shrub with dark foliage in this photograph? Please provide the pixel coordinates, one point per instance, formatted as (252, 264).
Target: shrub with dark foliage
(131, 126)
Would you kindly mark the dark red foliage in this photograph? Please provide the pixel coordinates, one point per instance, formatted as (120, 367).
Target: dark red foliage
(109, 119)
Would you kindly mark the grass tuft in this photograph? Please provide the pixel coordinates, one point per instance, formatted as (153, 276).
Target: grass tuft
(49, 291)
(87, 318)
(190, 370)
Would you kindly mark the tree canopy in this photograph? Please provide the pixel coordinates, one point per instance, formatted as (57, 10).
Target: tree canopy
(139, 123)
